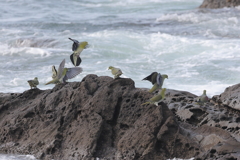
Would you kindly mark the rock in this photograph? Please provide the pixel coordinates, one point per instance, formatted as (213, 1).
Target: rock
(214, 126)
(103, 117)
(213, 4)
(98, 117)
(230, 97)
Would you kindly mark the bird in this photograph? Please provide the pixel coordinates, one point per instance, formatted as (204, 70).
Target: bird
(155, 99)
(63, 74)
(156, 79)
(33, 83)
(115, 71)
(77, 48)
(203, 98)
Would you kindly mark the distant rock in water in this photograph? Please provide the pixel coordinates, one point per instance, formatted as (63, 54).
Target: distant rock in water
(219, 3)
(103, 117)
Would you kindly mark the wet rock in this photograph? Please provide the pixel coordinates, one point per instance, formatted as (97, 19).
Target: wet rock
(213, 4)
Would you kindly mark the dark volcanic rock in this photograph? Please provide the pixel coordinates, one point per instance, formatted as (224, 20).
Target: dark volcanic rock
(103, 117)
(219, 3)
(215, 126)
(230, 97)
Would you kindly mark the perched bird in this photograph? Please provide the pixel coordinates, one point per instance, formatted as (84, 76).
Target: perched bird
(115, 71)
(203, 98)
(33, 83)
(157, 98)
(156, 79)
(77, 48)
(63, 74)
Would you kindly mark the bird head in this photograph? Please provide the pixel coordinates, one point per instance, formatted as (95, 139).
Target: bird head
(35, 78)
(110, 67)
(165, 76)
(84, 44)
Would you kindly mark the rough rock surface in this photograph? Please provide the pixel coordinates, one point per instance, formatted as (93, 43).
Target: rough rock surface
(215, 126)
(213, 4)
(230, 97)
(103, 117)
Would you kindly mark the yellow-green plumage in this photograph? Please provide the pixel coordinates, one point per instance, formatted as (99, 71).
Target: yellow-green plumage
(115, 71)
(203, 98)
(63, 74)
(159, 83)
(77, 48)
(81, 46)
(157, 98)
(33, 83)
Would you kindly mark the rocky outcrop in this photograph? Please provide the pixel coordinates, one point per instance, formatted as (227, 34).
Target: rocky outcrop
(103, 117)
(213, 4)
(213, 125)
(230, 97)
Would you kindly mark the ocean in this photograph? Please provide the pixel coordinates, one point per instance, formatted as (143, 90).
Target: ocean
(197, 48)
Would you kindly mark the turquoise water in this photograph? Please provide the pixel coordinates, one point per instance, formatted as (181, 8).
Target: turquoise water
(198, 49)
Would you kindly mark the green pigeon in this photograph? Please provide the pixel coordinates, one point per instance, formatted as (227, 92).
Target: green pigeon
(115, 71)
(203, 98)
(77, 48)
(33, 83)
(157, 80)
(155, 99)
(63, 74)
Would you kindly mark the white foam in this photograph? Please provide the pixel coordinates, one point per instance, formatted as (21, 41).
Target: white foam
(16, 157)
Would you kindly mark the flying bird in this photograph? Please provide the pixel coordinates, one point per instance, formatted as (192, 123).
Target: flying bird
(203, 98)
(115, 71)
(33, 83)
(77, 48)
(63, 74)
(157, 98)
(157, 80)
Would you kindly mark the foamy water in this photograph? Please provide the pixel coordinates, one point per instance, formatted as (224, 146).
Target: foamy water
(197, 48)
(16, 157)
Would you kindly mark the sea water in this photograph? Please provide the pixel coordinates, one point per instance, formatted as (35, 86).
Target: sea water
(197, 48)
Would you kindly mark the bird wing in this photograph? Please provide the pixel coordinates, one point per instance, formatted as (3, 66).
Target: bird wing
(54, 72)
(35, 82)
(116, 71)
(151, 78)
(72, 72)
(30, 82)
(60, 69)
(159, 79)
(156, 98)
(75, 44)
(76, 60)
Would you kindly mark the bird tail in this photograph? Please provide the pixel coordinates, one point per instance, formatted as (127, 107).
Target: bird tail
(145, 103)
(50, 82)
